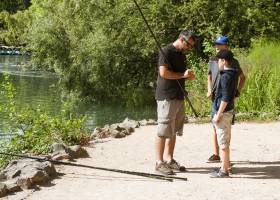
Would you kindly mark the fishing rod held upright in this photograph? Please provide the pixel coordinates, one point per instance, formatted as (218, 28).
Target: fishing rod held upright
(161, 51)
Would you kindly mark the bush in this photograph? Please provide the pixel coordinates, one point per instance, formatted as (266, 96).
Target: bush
(36, 129)
(262, 89)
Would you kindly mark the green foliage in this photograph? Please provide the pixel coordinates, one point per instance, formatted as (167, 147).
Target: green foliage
(13, 6)
(103, 50)
(262, 90)
(36, 129)
(14, 27)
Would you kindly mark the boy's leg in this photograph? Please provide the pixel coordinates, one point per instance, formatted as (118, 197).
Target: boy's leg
(215, 143)
(223, 128)
(216, 156)
(225, 159)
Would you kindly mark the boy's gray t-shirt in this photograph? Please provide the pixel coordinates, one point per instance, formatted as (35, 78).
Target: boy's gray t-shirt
(213, 70)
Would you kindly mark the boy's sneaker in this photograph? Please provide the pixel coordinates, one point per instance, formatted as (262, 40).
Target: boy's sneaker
(164, 169)
(173, 164)
(219, 174)
(214, 158)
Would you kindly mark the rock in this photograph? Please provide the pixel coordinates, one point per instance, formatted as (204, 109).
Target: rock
(3, 189)
(152, 122)
(12, 185)
(116, 127)
(24, 183)
(129, 123)
(148, 122)
(61, 157)
(24, 173)
(57, 147)
(77, 151)
(95, 133)
(59, 152)
(143, 122)
(103, 134)
(117, 134)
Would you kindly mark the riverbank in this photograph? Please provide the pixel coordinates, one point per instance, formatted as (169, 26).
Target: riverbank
(256, 170)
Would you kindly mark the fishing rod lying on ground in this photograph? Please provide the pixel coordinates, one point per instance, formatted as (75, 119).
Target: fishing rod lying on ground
(161, 51)
(148, 175)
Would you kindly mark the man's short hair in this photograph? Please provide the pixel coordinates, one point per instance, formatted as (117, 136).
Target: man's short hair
(187, 34)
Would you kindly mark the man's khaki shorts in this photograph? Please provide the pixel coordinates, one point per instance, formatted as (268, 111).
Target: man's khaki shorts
(171, 117)
(223, 129)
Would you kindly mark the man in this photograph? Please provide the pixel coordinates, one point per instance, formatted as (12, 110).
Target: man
(170, 96)
(221, 43)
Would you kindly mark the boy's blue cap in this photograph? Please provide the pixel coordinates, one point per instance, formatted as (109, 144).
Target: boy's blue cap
(222, 40)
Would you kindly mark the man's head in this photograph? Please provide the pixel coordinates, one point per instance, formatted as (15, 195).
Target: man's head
(221, 43)
(186, 40)
(225, 58)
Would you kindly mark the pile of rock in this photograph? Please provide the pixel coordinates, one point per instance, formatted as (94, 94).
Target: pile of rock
(120, 130)
(23, 174)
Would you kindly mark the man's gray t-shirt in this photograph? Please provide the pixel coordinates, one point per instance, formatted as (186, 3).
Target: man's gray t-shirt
(213, 70)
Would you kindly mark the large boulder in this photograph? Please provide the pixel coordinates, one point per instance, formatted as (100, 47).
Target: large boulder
(24, 173)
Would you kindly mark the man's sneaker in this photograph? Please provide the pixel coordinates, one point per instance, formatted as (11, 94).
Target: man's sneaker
(173, 164)
(214, 158)
(219, 174)
(164, 169)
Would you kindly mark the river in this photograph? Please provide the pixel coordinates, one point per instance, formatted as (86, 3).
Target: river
(35, 88)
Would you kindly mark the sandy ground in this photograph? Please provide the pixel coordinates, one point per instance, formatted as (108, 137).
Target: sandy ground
(255, 153)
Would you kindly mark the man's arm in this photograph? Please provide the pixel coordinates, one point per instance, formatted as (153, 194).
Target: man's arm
(168, 74)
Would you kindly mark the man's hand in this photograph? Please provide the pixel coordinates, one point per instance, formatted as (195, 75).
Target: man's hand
(188, 74)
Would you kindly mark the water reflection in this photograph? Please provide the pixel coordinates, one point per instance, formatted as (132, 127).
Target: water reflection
(35, 88)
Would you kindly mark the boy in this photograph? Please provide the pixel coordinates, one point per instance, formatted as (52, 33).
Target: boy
(221, 43)
(223, 108)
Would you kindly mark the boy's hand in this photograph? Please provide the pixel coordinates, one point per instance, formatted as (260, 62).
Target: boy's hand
(209, 94)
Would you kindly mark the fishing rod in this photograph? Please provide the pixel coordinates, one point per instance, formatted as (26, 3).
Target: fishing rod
(143, 174)
(161, 51)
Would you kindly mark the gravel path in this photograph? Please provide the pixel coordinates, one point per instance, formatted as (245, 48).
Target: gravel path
(255, 153)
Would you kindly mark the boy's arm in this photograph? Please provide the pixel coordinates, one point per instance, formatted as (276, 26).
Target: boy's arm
(242, 79)
(226, 96)
(209, 86)
(219, 114)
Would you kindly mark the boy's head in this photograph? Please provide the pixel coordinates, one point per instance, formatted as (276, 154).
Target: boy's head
(221, 43)
(225, 58)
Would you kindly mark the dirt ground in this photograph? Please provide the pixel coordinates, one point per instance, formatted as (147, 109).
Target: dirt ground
(255, 152)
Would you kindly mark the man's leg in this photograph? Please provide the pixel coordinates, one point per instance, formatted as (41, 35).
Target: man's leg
(170, 143)
(178, 123)
(159, 145)
(164, 130)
